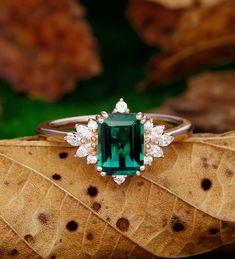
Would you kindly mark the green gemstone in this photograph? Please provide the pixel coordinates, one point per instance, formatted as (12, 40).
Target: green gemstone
(121, 144)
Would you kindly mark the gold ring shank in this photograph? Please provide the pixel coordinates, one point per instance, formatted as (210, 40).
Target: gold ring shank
(180, 127)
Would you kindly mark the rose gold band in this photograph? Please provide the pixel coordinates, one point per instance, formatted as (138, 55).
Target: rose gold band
(180, 127)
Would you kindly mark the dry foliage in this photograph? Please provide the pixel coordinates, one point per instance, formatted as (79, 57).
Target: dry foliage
(186, 3)
(208, 102)
(53, 204)
(45, 46)
(191, 38)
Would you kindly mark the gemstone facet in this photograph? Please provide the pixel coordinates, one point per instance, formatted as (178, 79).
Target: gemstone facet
(120, 144)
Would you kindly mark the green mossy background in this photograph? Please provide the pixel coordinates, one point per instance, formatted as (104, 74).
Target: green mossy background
(124, 56)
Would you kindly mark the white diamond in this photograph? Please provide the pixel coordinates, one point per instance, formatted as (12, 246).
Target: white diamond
(83, 132)
(121, 106)
(84, 150)
(156, 151)
(156, 132)
(165, 140)
(119, 179)
(92, 125)
(73, 139)
(148, 125)
(148, 160)
(91, 159)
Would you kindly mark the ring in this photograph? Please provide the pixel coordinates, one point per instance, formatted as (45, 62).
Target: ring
(120, 143)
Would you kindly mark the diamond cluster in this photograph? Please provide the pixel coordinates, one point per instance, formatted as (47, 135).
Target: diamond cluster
(86, 139)
(155, 139)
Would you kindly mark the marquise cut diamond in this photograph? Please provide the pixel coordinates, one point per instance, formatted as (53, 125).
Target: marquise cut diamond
(120, 143)
(84, 150)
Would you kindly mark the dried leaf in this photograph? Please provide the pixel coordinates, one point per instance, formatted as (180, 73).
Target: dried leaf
(45, 47)
(196, 38)
(59, 206)
(208, 102)
(154, 22)
(186, 3)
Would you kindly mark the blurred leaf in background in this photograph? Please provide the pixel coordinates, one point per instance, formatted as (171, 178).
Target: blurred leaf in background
(186, 37)
(45, 47)
(208, 102)
(192, 37)
(124, 56)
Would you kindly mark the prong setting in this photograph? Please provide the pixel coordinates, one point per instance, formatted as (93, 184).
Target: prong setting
(139, 116)
(99, 169)
(121, 107)
(151, 139)
(100, 119)
(104, 114)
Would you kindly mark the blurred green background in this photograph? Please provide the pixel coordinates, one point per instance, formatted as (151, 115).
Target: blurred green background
(124, 56)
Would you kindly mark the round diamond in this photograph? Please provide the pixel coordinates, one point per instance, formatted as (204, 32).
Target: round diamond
(92, 125)
(91, 159)
(148, 160)
(165, 140)
(121, 107)
(84, 150)
(156, 151)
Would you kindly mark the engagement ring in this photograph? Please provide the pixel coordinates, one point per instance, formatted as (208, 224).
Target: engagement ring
(120, 143)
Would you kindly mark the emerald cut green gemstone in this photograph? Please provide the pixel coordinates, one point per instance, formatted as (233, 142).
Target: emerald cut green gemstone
(121, 144)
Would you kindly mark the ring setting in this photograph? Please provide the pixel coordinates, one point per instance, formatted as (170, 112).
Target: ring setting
(120, 143)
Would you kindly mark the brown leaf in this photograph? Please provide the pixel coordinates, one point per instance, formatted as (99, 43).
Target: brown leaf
(45, 47)
(198, 37)
(154, 22)
(59, 206)
(208, 102)
(186, 3)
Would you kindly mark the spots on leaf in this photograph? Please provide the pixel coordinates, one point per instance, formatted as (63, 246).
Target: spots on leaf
(140, 183)
(206, 184)
(89, 236)
(43, 218)
(224, 224)
(63, 155)
(56, 177)
(205, 162)
(29, 238)
(108, 219)
(177, 224)
(215, 166)
(6, 183)
(72, 225)
(92, 191)
(229, 173)
(96, 206)
(213, 231)
(178, 227)
(14, 252)
(164, 222)
(123, 224)
(53, 257)
(30, 153)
